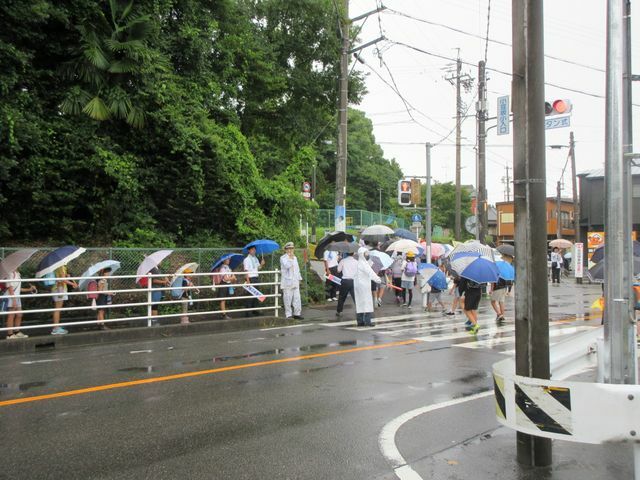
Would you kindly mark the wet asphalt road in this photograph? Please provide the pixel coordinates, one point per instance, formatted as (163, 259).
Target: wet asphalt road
(254, 415)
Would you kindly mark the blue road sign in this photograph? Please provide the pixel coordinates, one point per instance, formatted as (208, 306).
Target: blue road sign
(416, 218)
(503, 115)
(557, 122)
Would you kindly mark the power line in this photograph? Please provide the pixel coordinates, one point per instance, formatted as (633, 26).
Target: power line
(487, 39)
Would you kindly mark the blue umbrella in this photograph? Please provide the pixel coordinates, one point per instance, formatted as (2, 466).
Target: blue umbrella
(58, 258)
(95, 268)
(427, 270)
(506, 270)
(438, 280)
(476, 267)
(236, 259)
(263, 247)
(404, 233)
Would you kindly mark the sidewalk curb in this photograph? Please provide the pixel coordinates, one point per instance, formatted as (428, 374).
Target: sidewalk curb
(131, 334)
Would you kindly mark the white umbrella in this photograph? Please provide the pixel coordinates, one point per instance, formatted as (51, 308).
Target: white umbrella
(95, 268)
(150, 262)
(405, 246)
(472, 246)
(187, 266)
(385, 259)
(376, 230)
(12, 262)
(560, 243)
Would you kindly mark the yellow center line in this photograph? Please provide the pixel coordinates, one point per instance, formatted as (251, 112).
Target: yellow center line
(133, 383)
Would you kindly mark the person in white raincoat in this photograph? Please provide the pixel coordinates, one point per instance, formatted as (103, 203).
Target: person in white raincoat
(362, 286)
(290, 283)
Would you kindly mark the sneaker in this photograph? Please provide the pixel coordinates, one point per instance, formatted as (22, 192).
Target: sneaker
(329, 299)
(13, 336)
(468, 323)
(450, 313)
(408, 306)
(59, 331)
(474, 329)
(20, 335)
(226, 317)
(335, 299)
(338, 314)
(404, 305)
(298, 317)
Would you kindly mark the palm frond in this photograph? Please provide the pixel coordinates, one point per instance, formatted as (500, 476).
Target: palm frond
(136, 117)
(126, 11)
(120, 104)
(124, 66)
(96, 109)
(75, 101)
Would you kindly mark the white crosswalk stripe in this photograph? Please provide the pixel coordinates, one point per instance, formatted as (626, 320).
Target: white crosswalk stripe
(436, 327)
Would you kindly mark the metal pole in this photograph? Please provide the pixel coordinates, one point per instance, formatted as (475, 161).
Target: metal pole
(558, 200)
(380, 205)
(149, 300)
(574, 188)
(341, 166)
(427, 219)
(458, 151)
(315, 211)
(619, 332)
(482, 165)
(276, 305)
(532, 296)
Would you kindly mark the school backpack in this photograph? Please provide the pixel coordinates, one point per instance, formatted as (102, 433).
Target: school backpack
(411, 269)
(176, 289)
(92, 288)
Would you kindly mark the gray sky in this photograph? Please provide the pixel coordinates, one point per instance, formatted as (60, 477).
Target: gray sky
(574, 31)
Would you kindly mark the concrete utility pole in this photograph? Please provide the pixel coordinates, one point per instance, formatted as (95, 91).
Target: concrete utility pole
(461, 80)
(620, 364)
(574, 188)
(532, 295)
(481, 115)
(427, 219)
(558, 209)
(341, 166)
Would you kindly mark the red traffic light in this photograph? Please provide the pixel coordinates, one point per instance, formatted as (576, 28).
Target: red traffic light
(404, 192)
(557, 107)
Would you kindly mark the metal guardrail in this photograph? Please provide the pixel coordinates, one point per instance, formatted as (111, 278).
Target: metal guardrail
(271, 282)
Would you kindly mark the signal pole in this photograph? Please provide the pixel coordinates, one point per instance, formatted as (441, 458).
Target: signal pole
(529, 179)
(574, 188)
(341, 165)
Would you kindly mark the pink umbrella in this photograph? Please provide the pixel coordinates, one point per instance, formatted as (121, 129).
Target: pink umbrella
(437, 249)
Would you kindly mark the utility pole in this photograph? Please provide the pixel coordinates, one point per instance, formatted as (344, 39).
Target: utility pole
(558, 209)
(481, 115)
(341, 166)
(427, 216)
(532, 295)
(574, 188)
(461, 81)
(313, 197)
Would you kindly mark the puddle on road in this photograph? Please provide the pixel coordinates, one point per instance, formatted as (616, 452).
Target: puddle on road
(20, 387)
(225, 358)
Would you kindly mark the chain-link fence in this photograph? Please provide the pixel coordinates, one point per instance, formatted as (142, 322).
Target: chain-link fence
(360, 219)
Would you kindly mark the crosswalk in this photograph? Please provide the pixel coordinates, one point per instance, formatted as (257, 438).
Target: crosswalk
(435, 327)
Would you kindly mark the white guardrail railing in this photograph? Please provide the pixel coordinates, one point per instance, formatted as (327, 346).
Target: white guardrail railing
(266, 279)
(586, 412)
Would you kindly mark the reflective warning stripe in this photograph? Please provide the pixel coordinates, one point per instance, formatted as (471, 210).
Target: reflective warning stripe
(547, 408)
(498, 388)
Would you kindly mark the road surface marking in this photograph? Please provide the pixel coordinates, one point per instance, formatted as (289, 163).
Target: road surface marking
(40, 361)
(387, 437)
(178, 376)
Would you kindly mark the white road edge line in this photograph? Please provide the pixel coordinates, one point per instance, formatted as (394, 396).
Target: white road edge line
(297, 325)
(387, 437)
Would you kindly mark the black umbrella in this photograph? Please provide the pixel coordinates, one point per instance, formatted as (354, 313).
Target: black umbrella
(507, 249)
(343, 247)
(329, 238)
(596, 273)
(598, 253)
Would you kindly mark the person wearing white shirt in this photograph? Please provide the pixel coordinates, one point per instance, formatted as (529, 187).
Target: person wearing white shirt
(556, 265)
(348, 267)
(251, 265)
(290, 283)
(331, 268)
(14, 320)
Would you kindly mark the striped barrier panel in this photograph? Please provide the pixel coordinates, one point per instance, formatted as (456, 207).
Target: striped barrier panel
(567, 410)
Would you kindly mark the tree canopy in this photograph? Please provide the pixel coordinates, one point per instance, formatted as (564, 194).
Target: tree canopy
(173, 121)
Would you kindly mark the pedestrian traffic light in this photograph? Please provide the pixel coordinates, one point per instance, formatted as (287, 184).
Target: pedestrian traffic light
(404, 192)
(415, 191)
(557, 107)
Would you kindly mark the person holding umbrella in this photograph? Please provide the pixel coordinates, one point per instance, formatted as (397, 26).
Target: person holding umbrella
(251, 265)
(14, 319)
(61, 288)
(225, 278)
(104, 298)
(348, 267)
(500, 288)
(290, 282)
(409, 272)
(556, 264)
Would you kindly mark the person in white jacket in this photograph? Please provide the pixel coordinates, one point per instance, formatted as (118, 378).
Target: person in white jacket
(362, 287)
(290, 283)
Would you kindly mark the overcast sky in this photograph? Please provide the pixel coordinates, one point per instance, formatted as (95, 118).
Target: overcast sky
(574, 31)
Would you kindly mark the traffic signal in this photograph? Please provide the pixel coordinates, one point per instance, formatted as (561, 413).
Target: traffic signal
(557, 107)
(415, 191)
(404, 192)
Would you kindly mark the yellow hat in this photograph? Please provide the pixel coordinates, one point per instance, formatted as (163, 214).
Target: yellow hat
(188, 270)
